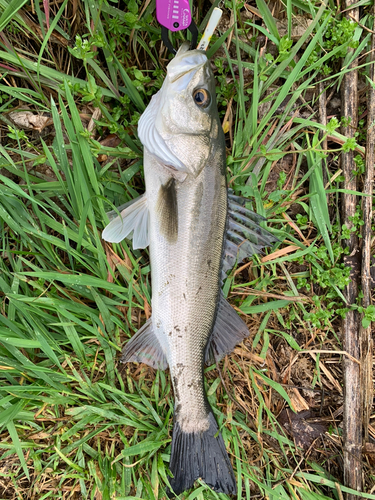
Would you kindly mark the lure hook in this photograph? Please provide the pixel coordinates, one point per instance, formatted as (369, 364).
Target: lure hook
(194, 37)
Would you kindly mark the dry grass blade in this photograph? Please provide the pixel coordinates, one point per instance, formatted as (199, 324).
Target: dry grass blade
(323, 121)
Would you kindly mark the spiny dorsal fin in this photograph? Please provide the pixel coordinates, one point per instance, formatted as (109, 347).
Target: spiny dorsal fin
(245, 237)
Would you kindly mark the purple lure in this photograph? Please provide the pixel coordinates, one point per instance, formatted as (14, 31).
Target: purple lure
(175, 15)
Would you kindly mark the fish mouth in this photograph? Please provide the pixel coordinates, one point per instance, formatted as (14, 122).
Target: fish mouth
(185, 47)
(186, 62)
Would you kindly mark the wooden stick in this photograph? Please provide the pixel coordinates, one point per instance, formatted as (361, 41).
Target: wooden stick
(365, 333)
(352, 420)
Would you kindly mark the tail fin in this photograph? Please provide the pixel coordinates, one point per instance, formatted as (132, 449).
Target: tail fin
(201, 455)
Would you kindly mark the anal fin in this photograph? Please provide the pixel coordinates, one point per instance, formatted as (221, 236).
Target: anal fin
(229, 330)
(144, 347)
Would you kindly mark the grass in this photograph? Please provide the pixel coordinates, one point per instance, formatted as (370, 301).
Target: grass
(74, 422)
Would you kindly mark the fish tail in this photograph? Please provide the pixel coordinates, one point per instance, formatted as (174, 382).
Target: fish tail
(202, 455)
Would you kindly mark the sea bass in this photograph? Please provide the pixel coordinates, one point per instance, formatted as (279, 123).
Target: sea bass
(195, 231)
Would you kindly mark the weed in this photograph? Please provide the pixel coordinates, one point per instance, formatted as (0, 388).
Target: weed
(339, 34)
(369, 315)
(360, 163)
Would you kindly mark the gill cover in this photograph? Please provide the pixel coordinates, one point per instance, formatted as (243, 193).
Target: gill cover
(173, 128)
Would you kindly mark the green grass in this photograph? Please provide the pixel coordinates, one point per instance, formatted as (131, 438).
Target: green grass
(74, 423)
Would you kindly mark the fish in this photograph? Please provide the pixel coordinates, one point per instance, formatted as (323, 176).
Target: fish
(196, 230)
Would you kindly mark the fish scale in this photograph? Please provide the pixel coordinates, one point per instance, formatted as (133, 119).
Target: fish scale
(195, 231)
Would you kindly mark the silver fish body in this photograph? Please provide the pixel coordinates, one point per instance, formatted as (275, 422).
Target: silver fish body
(194, 232)
(185, 275)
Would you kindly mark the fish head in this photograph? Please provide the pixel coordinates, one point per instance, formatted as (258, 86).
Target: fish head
(181, 125)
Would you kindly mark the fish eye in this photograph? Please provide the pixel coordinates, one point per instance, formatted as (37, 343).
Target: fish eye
(201, 98)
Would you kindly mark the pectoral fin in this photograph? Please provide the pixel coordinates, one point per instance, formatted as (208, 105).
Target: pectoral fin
(133, 219)
(229, 330)
(144, 347)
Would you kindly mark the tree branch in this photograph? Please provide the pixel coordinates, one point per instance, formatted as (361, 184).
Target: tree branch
(352, 375)
(365, 333)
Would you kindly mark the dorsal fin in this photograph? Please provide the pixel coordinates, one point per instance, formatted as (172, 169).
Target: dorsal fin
(244, 236)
